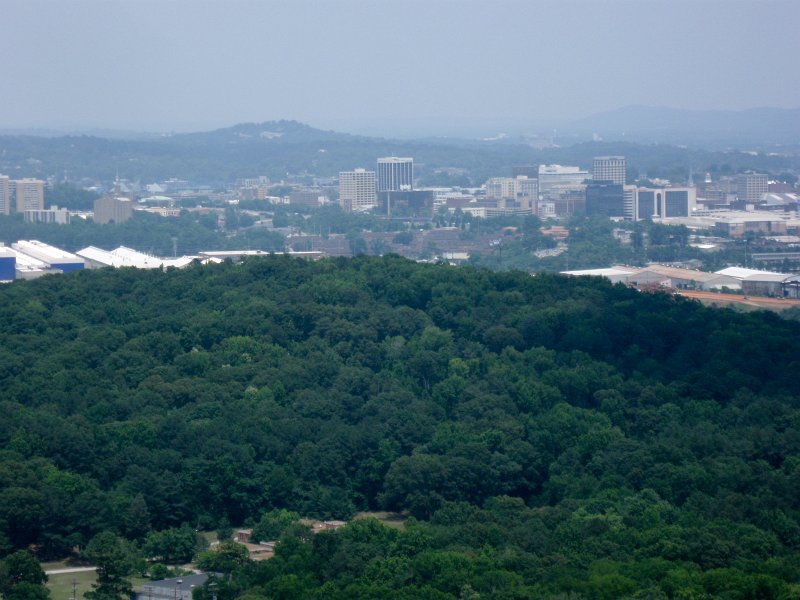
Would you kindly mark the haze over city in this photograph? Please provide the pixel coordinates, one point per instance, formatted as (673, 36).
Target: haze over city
(401, 68)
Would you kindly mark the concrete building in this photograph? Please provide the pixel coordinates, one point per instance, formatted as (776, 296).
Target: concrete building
(501, 187)
(161, 211)
(53, 257)
(609, 168)
(553, 175)
(563, 201)
(5, 195)
(109, 209)
(395, 174)
(308, 197)
(768, 284)
(59, 216)
(514, 192)
(764, 283)
(751, 186)
(735, 223)
(29, 194)
(357, 190)
(409, 203)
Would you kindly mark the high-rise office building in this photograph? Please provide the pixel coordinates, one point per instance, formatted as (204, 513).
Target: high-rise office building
(609, 168)
(605, 198)
(556, 175)
(30, 194)
(5, 195)
(665, 202)
(498, 188)
(751, 186)
(395, 174)
(357, 190)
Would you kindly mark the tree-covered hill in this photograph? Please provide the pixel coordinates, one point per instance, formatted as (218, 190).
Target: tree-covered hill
(279, 148)
(549, 435)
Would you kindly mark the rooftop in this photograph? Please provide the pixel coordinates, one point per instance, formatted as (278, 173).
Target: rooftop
(45, 252)
(608, 272)
(743, 273)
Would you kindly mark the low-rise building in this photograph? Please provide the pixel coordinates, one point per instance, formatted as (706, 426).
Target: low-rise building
(97, 258)
(8, 263)
(112, 210)
(59, 216)
(28, 267)
(53, 257)
(676, 277)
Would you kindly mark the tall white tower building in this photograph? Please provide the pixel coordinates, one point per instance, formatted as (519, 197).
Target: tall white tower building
(5, 195)
(30, 194)
(395, 174)
(357, 190)
(609, 168)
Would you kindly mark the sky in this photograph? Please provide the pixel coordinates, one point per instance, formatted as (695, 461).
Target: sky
(386, 67)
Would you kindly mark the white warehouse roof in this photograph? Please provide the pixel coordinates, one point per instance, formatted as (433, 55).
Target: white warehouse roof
(46, 253)
(742, 273)
(128, 257)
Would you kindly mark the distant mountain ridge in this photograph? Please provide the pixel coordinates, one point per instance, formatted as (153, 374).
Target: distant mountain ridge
(283, 131)
(650, 123)
(283, 149)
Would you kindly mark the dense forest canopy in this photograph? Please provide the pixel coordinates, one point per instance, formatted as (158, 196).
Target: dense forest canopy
(548, 435)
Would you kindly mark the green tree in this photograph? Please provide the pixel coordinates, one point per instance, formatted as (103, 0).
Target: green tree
(136, 520)
(273, 524)
(174, 545)
(22, 577)
(225, 558)
(115, 560)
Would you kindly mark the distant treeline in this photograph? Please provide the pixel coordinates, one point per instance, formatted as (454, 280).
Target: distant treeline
(248, 150)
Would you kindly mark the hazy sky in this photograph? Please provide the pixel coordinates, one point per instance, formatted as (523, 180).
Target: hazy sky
(386, 66)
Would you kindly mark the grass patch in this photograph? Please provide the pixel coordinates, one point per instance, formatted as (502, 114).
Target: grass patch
(60, 586)
(390, 519)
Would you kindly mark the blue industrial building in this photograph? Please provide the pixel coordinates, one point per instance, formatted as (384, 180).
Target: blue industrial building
(8, 264)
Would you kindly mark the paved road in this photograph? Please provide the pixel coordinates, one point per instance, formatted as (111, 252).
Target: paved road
(70, 570)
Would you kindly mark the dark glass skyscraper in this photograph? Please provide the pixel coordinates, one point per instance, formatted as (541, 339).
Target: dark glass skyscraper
(605, 198)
